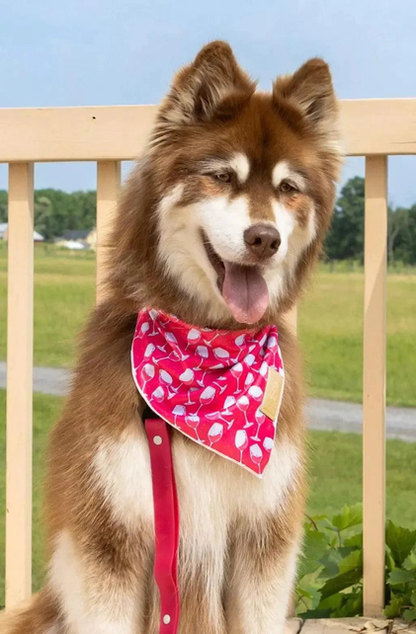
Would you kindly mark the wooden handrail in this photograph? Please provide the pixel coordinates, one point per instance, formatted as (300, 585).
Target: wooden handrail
(369, 127)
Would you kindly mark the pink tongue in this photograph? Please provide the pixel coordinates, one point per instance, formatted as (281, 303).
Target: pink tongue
(245, 292)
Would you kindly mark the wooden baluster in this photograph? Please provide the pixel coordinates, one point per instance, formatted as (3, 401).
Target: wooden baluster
(108, 186)
(19, 385)
(374, 396)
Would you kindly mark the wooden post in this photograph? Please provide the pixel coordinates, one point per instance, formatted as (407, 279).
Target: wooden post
(19, 385)
(374, 441)
(108, 186)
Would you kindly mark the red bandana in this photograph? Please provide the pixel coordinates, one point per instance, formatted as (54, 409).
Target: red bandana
(210, 384)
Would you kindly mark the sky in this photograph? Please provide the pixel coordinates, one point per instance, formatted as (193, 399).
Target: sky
(121, 52)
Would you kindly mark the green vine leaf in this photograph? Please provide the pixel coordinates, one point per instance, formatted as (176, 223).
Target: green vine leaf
(409, 614)
(395, 607)
(354, 540)
(352, 605)
(401, 542)
(307, 598)
(330, 573)
(341, 582)
(315, 546)
(400, 575)
(350, 516)
(351, 561)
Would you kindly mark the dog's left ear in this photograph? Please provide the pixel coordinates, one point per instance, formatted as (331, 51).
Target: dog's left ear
(213, 85)
(310, 91)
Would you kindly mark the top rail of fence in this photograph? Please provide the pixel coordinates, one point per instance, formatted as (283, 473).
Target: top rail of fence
(369, 127)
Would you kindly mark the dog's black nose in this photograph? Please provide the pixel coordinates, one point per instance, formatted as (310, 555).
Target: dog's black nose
(262, 240)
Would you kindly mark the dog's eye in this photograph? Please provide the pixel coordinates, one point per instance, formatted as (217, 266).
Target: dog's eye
(287, 188)
(224, 177)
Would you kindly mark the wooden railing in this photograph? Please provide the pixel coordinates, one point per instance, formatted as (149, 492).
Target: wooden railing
(371, 128)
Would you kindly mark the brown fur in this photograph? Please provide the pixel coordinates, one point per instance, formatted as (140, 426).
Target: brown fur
(211, 110)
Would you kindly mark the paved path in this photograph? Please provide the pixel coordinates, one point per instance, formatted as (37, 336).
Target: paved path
(347, 417)
(322, 414)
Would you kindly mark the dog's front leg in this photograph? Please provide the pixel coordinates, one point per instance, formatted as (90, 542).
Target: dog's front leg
(262, 576)
(95, 593)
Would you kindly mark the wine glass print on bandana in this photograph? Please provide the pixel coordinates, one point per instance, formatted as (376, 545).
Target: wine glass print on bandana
(209, 384)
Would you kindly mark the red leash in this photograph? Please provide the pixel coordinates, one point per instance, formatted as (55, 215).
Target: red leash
(166, 513)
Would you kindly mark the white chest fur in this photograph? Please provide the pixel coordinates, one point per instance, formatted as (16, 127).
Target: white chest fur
(209, 487)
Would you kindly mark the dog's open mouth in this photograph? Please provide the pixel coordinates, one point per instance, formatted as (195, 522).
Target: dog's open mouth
(243, 288)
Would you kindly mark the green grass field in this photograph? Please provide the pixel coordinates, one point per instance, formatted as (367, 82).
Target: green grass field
(330, 330)
(64, 293)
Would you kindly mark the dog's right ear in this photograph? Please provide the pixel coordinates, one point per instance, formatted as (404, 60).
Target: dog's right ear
(213, 85)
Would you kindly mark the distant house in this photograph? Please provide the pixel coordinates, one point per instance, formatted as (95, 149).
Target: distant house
(37, 237)
(73, 245)
(76, 234)
(78, 239)
(4, 230)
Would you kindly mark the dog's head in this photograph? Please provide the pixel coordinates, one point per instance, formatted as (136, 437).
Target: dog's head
(236, 190)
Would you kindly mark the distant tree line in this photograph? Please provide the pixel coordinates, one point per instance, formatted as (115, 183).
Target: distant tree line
(345, 240)
(57, 211)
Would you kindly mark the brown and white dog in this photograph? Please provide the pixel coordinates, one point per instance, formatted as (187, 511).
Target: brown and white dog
(236, 188)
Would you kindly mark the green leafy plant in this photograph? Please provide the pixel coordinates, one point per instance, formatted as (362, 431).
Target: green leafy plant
(331, 570)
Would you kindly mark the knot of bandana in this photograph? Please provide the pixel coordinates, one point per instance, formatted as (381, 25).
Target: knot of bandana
(209, 384)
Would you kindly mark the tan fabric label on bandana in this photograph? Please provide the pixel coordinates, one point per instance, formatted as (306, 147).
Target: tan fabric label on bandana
(273, 394)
